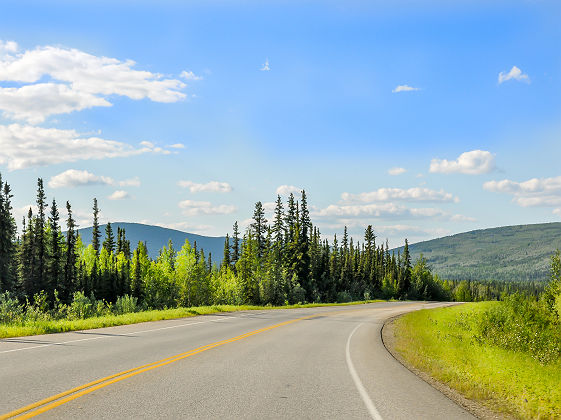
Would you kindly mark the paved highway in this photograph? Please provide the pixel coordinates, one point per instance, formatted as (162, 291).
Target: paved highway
(324, 362)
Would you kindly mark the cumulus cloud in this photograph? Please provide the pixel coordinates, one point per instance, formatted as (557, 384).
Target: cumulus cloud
(404, 88)
(189, 75)
(514, 74)
(77, 178)
(531, 193)
(475, 162)
(397, 171)
(26, 146)
(119, 195)
(287, 189)
(196, 208)
(212, 186)
(78, 80)
(411, 194)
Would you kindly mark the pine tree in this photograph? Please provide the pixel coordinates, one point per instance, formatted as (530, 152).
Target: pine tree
(259, 227)
(39, 245)
(278, 223)
(71, 257)
(54, 261)
(235, 245)
(303, 268)
(109, 242)
(226, 257)
(96, 234)
(8, 231)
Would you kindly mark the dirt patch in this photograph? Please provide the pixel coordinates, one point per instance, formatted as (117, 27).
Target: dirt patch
(475, 408)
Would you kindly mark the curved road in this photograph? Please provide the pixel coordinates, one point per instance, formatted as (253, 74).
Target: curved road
(326, 362)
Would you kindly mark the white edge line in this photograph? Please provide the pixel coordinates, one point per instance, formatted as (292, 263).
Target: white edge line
(358, 383)
(97, 338)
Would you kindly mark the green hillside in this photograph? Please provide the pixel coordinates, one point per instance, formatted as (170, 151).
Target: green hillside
(156, 237)
(511, 253)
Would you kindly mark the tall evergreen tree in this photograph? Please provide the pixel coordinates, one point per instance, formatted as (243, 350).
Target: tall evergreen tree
(226, 256)
(54, 261)
(39, 244)
(71, 257)
(109, 242)
(259, 227)
(8, 231)
(278, 223)
(96, 234)
(235, 245)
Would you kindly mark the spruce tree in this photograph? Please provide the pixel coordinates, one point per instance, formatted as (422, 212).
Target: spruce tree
(39, 245)
(235, 245)
(259, 227)
(109, 242)
(226, 257)
(96, 234)
(8, 231)
(54, 262)
(71, 257)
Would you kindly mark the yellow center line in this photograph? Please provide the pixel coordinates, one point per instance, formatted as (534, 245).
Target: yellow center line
(49, 403)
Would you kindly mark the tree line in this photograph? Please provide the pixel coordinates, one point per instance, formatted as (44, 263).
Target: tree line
(285, 260)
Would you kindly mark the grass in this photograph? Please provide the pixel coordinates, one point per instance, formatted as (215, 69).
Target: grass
(37, 327)
(441, 342)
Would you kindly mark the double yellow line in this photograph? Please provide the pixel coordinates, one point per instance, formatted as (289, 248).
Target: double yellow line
(59, 399)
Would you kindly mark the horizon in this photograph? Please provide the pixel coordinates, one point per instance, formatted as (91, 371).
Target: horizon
(422, 119)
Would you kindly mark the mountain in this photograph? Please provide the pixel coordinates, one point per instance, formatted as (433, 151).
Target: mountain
(510, 253)
(156, 237)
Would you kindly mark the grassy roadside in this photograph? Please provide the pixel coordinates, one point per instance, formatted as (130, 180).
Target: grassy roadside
(56, 326)
(441, 343)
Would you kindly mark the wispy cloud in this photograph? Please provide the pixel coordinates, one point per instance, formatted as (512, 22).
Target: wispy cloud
(25, 146)
(197, 208)
(287, 189)
(542, 192)
(189, 75)
(212, 186)
(119, 195)
(475, 162)
(404, 88)
(78, 80)
(514, 74)
(410, 194)
(265, 66)
(397, 171)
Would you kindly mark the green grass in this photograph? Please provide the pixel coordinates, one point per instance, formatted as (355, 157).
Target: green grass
(56, 326)
(441, 343)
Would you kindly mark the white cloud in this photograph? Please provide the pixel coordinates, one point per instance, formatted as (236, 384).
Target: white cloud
(475, 162)
(404, 88)
(411, 194)
(265, 66)
(196, 208)
(75, 178)
(212, 186)
(29, 146)
(531, 193)
(287, 189)
(182, 226)
(189, 75)
(78, 80)
(119, 195)
(557, 211)
(177, 146)
(514, 74)
(131, 182)
(397, 171)
(33, 103)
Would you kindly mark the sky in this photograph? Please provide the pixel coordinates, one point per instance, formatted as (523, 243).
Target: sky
(421, 118)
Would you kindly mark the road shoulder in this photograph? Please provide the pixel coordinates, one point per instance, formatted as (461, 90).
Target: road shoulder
(475, 408)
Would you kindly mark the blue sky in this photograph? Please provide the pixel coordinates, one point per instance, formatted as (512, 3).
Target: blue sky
(166, 112)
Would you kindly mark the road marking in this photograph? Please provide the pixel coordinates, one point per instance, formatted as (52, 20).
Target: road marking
(109, 336)
(358, 383)
(56, 400)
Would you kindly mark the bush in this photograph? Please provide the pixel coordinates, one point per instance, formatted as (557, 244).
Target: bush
(125, 305)
(81, 307)
(11, 311)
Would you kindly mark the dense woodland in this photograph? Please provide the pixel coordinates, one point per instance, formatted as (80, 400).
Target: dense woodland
(275, 262)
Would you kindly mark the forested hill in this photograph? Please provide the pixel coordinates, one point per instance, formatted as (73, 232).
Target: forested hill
(156, 237)
(510, 253)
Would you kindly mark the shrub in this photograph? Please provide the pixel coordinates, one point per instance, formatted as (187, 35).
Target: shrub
(10, 310)
(125, 305)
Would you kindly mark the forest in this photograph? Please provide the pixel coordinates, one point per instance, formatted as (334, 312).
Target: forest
(46, 267)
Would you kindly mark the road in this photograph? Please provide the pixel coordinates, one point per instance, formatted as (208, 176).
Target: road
(326, 362)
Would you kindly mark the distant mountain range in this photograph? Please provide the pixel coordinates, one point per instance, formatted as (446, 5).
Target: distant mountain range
(157, 237)
(511, 253)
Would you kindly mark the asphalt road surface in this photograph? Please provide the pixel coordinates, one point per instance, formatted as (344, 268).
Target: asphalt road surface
(311, 363)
